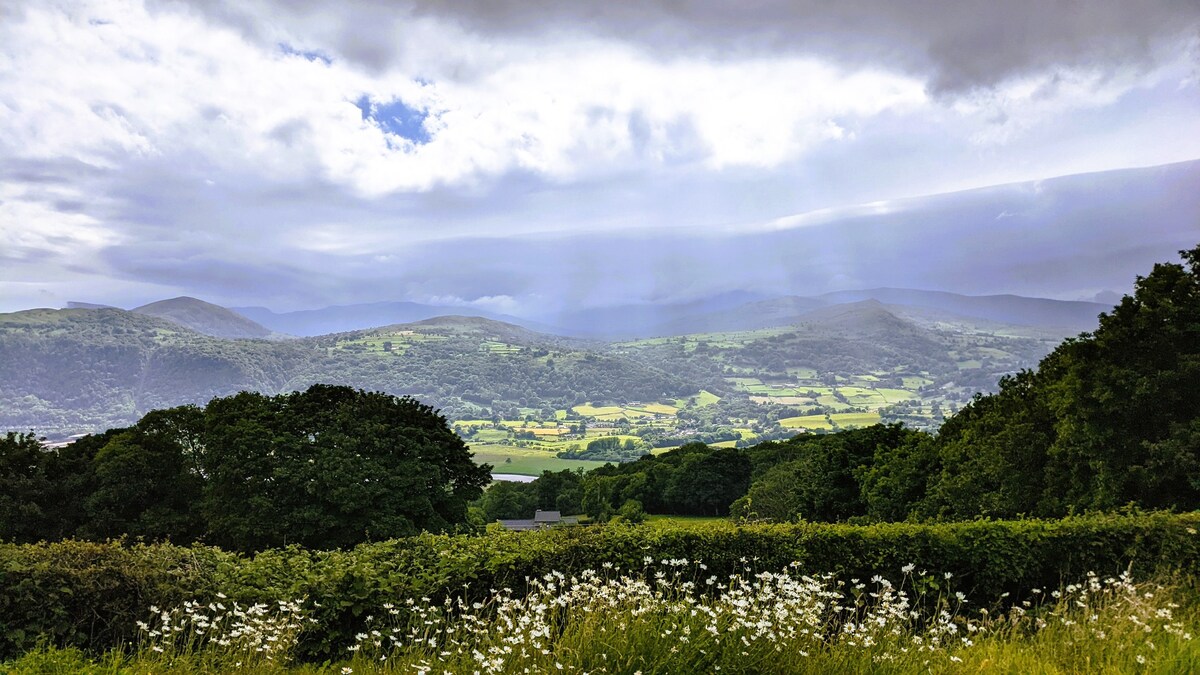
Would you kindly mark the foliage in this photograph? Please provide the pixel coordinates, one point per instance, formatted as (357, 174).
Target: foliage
(83, 369)
(328, 467)
(1108, 418)
(609, 448)
(91, 595)
(22, 480)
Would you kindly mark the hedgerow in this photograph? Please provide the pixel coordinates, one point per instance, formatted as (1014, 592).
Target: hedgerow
(90, 595)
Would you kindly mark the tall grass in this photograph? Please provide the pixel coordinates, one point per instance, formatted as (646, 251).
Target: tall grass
(672, 616)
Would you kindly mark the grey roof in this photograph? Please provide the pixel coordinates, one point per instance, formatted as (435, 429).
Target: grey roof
(540, 520)
(519, 524)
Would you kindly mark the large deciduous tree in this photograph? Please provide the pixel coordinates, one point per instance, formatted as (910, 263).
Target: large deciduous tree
(1109, 418)
(331, 467)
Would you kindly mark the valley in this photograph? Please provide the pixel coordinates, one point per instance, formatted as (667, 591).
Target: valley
(530, 401)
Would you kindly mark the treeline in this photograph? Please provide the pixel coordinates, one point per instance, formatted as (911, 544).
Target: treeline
(326, 468)
(1108, 419)
(693, 480)
(810, 476)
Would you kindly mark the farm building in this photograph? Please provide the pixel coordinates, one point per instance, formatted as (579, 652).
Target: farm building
(541, 519)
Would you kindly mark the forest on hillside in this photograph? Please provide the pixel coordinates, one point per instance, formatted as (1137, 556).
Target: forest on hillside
(1107, 420)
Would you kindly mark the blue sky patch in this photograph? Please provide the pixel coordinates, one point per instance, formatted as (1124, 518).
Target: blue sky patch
(310, 55)
(395, 118)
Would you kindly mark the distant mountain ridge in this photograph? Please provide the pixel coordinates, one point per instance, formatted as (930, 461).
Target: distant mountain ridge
(205, 317)
(726, 312)
(345, 318)
(719, 314)
(1011, 309)
(1058, 316)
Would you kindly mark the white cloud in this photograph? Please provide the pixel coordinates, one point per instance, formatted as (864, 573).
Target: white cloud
(168, 83)
(31, 229)
(208, 143)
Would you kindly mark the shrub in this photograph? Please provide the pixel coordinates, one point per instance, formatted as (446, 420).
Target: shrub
(90, 595)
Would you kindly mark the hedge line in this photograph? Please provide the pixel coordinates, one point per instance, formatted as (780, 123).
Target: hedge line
(90, 594)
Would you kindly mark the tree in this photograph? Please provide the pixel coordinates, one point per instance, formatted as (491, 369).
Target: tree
(772, 497)
(148, 481)
(331, 467)
(707, 483)
(1109, 418)
(632, 512)
(508, 500)
(23, 488)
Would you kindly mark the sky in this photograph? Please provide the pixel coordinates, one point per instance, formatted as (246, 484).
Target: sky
(518, 156)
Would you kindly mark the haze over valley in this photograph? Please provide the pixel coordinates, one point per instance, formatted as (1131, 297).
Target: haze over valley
(730, 370)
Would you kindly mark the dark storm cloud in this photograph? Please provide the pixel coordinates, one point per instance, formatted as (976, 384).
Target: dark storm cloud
(1063, 236)
(958, 45)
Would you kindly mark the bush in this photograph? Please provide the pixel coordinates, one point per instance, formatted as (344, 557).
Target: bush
(89, 595)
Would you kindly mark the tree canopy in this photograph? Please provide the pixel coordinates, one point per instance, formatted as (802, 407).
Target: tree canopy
(327, 467)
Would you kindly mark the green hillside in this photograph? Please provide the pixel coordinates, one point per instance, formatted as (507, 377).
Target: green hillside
(69, 371)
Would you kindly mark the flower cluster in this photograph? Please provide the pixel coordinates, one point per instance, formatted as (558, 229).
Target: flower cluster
(243, 635)
(613, 619)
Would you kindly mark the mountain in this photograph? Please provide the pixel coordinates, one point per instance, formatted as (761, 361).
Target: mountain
(87, 369)
(750, 316)
(204, 317)
(1001, 312)
(1009, 309)
(72, 370)
(626, 321)
(866, 318)
(343, 318)
(490, 330)
(73, 304)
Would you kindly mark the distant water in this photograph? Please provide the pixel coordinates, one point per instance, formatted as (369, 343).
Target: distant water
(513, 477)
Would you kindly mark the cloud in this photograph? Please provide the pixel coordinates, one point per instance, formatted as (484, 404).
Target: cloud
(958, 45)
(304, 153)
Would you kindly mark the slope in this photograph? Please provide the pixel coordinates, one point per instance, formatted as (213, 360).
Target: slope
(204, 317)
(67, 371)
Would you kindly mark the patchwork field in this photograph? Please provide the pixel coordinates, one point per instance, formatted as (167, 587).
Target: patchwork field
(828, 422)
(526, 461)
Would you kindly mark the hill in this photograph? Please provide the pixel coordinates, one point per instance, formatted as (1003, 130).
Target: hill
(1073, 316)
(204, 317)
(1009, 314)
(74, 304)
(867, 318)
(753, 315)
(67, 371)
(345, 318)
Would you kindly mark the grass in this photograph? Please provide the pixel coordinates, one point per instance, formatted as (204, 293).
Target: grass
(895, 395)
(655, 408)
(671, 616)
(588, 410)
(844, 420)
(805, 422)
(669, 522)
(526, 461)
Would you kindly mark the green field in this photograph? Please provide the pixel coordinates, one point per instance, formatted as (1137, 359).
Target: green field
(669, 522)
(842, 420)
(599, 412)
(806, 422)
(526, 461)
